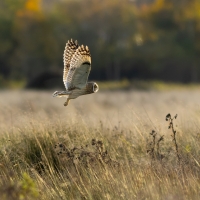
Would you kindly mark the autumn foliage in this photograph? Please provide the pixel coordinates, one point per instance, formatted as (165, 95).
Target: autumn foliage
(128, 39)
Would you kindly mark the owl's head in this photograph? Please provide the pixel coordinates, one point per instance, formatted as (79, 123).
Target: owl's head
(92, 87)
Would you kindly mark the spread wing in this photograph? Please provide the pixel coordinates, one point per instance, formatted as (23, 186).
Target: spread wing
(79, 70)
(69, 51)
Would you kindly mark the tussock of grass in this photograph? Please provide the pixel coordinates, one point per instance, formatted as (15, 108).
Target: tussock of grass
(53, 157)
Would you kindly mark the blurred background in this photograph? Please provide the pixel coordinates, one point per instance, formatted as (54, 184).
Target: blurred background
(128, 39)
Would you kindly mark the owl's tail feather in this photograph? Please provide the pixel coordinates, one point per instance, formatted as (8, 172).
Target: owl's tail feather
(61, 94)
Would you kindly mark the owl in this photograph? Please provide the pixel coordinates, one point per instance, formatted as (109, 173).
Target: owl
(77, 66)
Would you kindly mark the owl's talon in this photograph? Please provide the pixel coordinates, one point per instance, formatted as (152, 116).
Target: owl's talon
(67, 102)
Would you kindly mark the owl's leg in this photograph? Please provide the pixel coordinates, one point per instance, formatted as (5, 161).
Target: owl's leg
(67, 102)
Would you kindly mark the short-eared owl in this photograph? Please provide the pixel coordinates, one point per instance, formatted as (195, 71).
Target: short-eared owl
(77, 66)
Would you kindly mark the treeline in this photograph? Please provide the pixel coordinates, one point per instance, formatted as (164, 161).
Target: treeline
(150, 40)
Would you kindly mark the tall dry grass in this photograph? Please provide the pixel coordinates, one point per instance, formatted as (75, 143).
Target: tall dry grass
(109, 145)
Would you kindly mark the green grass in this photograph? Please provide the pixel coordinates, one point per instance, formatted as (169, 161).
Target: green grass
(99, 147)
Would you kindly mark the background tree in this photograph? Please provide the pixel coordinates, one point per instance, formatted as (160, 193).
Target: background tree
(142, 39)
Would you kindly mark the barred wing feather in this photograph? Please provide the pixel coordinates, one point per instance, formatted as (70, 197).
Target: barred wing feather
(79, 70)
(69, 51)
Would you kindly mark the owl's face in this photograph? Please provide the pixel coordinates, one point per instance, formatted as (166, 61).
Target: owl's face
(95, 87)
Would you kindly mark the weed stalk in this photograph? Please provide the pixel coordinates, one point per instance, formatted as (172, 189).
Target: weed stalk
(171, 126)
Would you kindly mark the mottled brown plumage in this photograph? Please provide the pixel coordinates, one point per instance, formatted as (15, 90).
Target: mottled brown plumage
(77, 66)
(69, 51)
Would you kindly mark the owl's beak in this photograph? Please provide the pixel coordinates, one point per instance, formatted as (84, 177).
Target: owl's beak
(95, 87)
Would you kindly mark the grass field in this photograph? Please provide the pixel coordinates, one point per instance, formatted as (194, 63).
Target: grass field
(109, 145)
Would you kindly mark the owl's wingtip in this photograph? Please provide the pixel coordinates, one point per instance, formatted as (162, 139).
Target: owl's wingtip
(55, 94)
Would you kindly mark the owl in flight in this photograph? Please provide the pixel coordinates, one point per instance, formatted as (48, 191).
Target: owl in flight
(77, 66)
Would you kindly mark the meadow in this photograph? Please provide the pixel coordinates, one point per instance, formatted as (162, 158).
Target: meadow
(108, 145)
